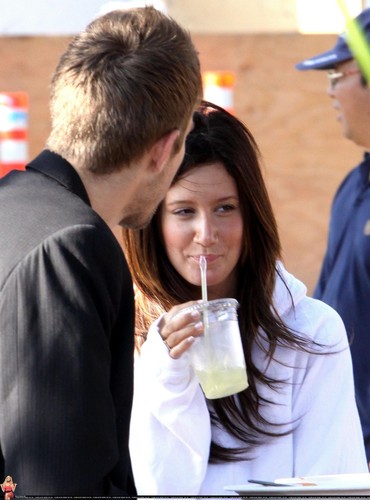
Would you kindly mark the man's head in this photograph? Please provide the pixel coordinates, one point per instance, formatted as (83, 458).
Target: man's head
(129, 79)
(340, 52)
(347, 86)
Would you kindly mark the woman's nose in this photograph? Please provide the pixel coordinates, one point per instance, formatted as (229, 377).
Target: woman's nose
(205, 232)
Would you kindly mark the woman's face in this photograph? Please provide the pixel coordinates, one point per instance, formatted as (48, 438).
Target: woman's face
(200, 215)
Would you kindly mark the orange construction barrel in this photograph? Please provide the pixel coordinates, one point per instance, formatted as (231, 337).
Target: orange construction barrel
(13, 131)
(218, 87)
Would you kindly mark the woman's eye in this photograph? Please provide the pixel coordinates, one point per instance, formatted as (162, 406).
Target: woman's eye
(183, 211)
(226, 208)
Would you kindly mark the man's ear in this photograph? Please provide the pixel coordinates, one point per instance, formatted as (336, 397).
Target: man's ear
(162, 150)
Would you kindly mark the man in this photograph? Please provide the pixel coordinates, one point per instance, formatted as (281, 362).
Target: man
(344, 281)
(122, 99)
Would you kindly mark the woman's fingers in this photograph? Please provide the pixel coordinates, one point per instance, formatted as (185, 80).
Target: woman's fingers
(179, 341)
(178, 329)
(181, 347)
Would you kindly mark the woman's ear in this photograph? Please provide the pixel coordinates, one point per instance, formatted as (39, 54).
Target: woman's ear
(162, 150)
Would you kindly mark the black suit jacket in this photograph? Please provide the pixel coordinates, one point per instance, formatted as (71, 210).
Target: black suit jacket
(66, 338)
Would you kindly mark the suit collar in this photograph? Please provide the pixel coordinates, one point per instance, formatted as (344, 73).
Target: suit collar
(59, 169)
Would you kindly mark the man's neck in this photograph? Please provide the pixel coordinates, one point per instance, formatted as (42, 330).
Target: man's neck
(110, 193)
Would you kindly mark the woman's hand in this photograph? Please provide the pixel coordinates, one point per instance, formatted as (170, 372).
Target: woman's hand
(178, 331)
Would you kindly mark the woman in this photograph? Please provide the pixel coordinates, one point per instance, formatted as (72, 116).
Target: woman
(298, 415)
(8, 488)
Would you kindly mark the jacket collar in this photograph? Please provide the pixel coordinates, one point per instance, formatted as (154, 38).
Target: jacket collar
(54, 166)
(365, 169)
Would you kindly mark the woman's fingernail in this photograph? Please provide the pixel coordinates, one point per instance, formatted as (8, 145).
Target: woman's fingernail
(198, 326)
(195, 314)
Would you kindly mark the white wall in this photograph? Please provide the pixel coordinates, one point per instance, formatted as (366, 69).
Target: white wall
(45, 17)
(53, 17)
(66, 17)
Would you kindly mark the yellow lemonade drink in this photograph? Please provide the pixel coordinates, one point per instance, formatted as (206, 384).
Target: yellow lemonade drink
(218, 382)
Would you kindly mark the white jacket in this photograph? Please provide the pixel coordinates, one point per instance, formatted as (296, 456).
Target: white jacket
(170, 426)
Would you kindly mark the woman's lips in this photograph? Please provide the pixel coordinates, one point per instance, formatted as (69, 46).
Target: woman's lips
(209, 258)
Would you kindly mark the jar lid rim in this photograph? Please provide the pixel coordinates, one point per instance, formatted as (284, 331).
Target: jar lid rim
(226, 302)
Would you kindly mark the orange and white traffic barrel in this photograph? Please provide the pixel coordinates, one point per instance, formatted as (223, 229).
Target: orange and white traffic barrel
(218, 87)
(13, 131)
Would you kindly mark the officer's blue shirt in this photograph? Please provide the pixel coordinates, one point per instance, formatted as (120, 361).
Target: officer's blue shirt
(344, 281)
